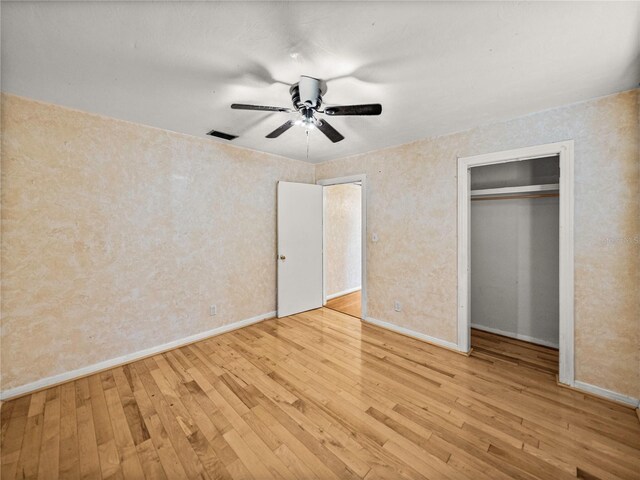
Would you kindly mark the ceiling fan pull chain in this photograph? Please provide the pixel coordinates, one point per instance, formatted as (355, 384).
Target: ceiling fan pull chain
(307, 145)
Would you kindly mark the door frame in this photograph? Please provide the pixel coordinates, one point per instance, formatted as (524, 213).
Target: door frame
(565, 151)
(362, 178)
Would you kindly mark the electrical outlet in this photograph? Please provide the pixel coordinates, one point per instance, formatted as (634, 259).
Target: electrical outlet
(397, 306)
(213, 310)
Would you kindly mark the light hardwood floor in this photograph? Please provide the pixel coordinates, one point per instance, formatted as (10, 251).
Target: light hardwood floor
(351, 304)
(499, 350)
(319, 395)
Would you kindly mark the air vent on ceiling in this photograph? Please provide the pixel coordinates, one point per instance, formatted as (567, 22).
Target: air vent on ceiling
(226, 136)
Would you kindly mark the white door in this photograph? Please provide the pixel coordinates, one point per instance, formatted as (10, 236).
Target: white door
(299, 247)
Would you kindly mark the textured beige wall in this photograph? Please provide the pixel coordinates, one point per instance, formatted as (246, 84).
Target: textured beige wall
(412, 207)
(117, 237)
(343, 235)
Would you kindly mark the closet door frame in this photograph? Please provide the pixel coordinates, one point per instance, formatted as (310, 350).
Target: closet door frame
(566, 292)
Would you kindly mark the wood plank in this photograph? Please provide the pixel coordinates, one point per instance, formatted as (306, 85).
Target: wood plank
(30, 451)
(69, 464)
(107, 450)
(50, 446)
(128, 455)
(88, 455)
(14, 434)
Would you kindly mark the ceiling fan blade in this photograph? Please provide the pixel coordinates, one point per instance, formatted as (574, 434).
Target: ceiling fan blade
(370, 109)
(331, 133)
(281, 129)
(263, 108)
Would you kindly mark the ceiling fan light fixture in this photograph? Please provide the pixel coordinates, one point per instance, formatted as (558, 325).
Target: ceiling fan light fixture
(306, 122)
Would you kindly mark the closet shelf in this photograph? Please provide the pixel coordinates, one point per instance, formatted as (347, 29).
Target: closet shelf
(547, 188)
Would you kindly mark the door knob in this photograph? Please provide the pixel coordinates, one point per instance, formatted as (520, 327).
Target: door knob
(282, 257)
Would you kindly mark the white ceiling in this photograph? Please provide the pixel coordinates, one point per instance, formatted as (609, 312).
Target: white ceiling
(436, 68)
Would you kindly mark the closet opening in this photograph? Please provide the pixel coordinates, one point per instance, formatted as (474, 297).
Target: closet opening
(515, 258)
(514, 254)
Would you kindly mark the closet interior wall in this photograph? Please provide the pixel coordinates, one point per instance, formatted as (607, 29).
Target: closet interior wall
(515, 249)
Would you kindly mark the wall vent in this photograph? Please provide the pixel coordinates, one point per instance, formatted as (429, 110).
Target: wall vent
(225, 136)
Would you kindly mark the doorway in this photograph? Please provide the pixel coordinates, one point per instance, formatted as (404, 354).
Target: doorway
(470, 295)
(344, 245)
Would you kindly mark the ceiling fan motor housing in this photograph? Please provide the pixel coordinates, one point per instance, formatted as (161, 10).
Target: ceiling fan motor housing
(307, 93)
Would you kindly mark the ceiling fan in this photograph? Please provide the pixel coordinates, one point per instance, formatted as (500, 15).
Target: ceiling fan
(306, 96)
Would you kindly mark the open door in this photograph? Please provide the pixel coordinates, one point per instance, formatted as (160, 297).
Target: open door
(299, 247)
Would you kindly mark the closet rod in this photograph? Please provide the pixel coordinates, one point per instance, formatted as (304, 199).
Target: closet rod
(511, 197)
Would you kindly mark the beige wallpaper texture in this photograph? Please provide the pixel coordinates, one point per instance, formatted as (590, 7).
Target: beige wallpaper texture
(412, 207)
(117, 237)
(343, 236)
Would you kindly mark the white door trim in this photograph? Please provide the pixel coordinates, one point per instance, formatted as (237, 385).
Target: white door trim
(362, 178)
(565, 152)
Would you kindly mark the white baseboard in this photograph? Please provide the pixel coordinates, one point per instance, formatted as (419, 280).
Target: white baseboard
(609, 394)
(344, 292)
(411, 333)
(124, 359)
(517, 336)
